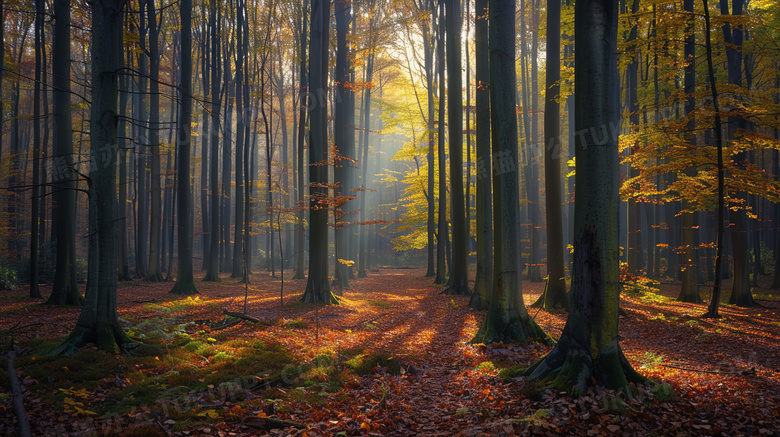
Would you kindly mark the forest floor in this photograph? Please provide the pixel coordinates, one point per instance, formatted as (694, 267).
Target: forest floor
(393, 359)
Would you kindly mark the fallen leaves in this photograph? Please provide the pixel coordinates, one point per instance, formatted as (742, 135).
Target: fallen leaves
(721, 375)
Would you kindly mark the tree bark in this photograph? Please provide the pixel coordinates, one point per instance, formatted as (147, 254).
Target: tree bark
(459, 281)
(212, 273)
(483, 281)
(238, 235)
(301, 173)
(185, 281)
(318, 286)
(35, 214)
(740, 292)
(341, 143)
(98, 322)
(154, 272)
(507, 319)
(689, 291)
(65, 290)
(555, 294)
(532, 173)
(442, 230)
(588, 348)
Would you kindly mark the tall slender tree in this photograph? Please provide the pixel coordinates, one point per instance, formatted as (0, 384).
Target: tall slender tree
(340, 133)
(212, 273)
(318, 286)
(459, 282)
(65, 290)
(242, 119)
(733, 37)
(484, 275)
(426, 26)
(689, 291)
(634, 251)
(154, 271)
(185, 282)
(300, 174)
(588, 348)
(442, 228)
(712, 309)
(507, 318)
(555, 294)
(35, 292)
(98, 322)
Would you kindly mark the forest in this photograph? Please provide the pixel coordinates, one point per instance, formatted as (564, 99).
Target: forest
(389, 217)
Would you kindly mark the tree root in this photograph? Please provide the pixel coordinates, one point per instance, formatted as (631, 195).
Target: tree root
(572, 368)
(184, 289)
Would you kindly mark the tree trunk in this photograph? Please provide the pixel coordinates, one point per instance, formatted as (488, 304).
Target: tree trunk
(300, 232)
(2, 68)
(341, 143)
(712, 311)
(204, 148)
(588, 349)
(212, 273)
(154, 272)
(318, 286)
(484, 274)
(740, 292)
(238, 235)
(555, 294)
(141, 143)
(185, 281)
(227, 158)
(532, 174)
(35, 214)
(369, 77)
(507, 319)
(442, 232)
(459, 281)
(98, 322)
(634, 250)
(65, 290)
(123, 273)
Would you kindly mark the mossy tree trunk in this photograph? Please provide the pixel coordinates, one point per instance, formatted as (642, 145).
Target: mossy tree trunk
(588, 348)
(507, 318)
(98, 321)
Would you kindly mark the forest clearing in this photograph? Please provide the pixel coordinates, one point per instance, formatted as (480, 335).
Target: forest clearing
(392, 359)
(389, 217)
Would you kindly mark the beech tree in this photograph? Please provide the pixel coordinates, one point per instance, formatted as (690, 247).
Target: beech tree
(65, 290)
(588, 348)
(555, 293)
(98, 322)
(459, 283)
(185, 283)
(507, 318)
(318, 285)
